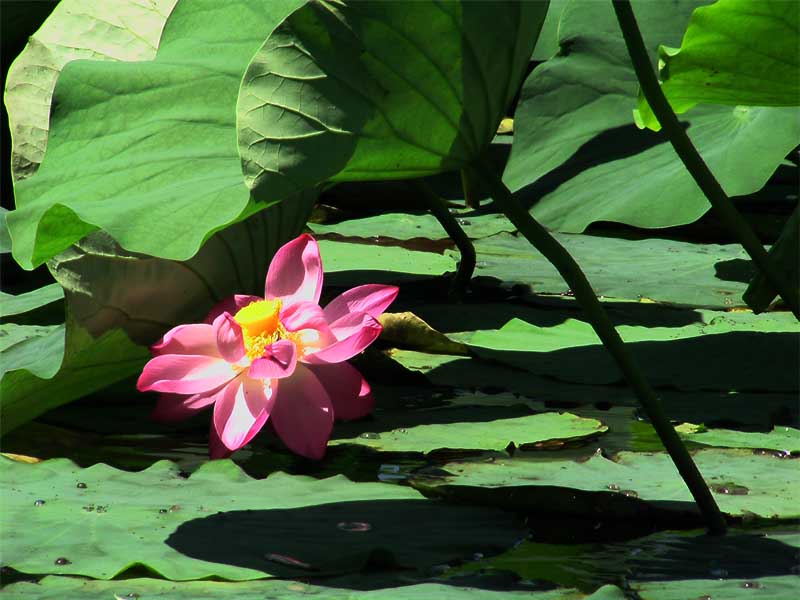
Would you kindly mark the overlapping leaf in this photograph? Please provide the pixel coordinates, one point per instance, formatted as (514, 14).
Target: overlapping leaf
(162, 170)
(129, 30)
(577, 151)
(734, 52)
(371, 90)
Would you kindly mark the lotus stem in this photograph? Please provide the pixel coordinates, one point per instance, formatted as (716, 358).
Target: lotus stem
(466, 265)
(468, 184)
(692, 160)
(545, 243)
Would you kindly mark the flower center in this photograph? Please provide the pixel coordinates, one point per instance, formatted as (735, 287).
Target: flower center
(260, 326)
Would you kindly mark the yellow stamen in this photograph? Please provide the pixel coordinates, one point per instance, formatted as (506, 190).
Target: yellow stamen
(259, 317)
(260, 325)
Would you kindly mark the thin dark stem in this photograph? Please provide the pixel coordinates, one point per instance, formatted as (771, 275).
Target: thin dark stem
(692, 160)
(545, 243)
(466, 265)
(468, 184)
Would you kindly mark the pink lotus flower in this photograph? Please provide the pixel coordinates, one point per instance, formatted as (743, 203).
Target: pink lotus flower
(280, 358)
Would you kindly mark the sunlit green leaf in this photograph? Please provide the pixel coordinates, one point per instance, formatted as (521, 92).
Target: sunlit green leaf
(104, 521)
(22, 303)
(162, 171)
(743, 483)
(734, 52)
(127, 30)
(579, 156)
(58, 588)
(728, 351)
(781, 438)
(480, 435)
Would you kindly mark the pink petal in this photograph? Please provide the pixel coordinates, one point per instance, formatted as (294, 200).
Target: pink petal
(177, 407)
(308, 320)
(372, 298)
(303, 415)
(349, 392)
(184, 374)
(229, 338)
(353, 332)
(279, 361)
(303, 315)
(242, 411)
(187, 339)
(216, 449)
(295, 273)
(231, 305)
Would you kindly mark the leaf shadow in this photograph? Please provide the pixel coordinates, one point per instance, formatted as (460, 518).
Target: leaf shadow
(732, 362)
(401, 536)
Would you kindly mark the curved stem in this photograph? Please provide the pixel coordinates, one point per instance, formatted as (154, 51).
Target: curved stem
(545, 243)
(466, 265)
(692, 160)
(468, 184)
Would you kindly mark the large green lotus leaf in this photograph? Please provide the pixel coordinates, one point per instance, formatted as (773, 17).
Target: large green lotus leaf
(480, 435)
(574, 123)
(734, 52)
(127, 30)
(744, 483)
(372, 90)
(117, 299)
(667, 271)
(109, 288)
(221, 523)
(162, 170)
(58, 366)
(782, 438)
(11, 304)
(54, 587)
(722, 351)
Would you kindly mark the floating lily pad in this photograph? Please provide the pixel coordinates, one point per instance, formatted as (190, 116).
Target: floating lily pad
(776, 588)
(725, 351)
(680, 273)
(490, 435)
(783, 439)
(406, 226)
(57, 588)
(100, 521)
(688, 556)
(379, 264)
(22, 303)
(744, 483)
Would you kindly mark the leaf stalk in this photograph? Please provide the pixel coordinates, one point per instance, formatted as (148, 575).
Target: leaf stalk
(466, 266)
(692, 160)
(545, 243)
